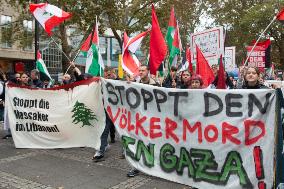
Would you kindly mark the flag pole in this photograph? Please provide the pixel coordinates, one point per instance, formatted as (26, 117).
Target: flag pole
(60, 48)
(98, 46)
(78, 52)
(258, 40)
(36, 36)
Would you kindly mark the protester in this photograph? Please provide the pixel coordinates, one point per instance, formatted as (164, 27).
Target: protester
(195, 82)
(46, 83)
(16, 79)
(24, 80)
(251, 79)
(171, 79)
(185, 77)
(2, 95)
(215, 69)
(129, 78)
(145, 78)
(66, 79)
(109, 126)
(228, 82)
(242, 70)
(35, 81)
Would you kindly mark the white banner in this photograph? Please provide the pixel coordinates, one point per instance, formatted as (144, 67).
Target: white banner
(63, 117)
(210, 42)
(230, 58)
(202, 138)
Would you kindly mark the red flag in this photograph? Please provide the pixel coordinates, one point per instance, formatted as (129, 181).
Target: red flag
(203, 69)
(280, 16)
(264, 44)
(221, 83)
(158, 47)
(188, 58)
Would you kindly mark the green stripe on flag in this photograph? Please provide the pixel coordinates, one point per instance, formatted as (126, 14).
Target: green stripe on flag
(170, 37)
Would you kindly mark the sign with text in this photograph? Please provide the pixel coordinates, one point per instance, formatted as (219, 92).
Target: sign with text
(257, 57)
(230, 58)
(210, 42)
(62, 117)
(202, 138)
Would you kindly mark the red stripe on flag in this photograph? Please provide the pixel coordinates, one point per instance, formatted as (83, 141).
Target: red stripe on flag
(280, 15)
(33, 7)
(172, 21)
(54, 21)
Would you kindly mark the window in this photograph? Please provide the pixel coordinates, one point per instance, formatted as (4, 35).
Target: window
(6, 31)
(27, 41)
(28, 25)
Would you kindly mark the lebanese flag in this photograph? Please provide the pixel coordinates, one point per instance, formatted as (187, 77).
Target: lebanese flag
(203, 69)
(176, 48)
(94, 61)
(171, 30)
(221, 83)
(48, 15)
(40, 65)
(280, 16)
(158, 47)
(130, 63)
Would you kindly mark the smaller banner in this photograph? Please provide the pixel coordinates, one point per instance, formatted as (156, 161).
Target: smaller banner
(230, 58)
(210, 42)
(62, 117)
(257, 57)
(260, 56)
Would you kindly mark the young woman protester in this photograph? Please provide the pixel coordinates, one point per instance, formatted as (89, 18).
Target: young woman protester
(24, 80)
(251, 79)
(195, 82)
(185, 77)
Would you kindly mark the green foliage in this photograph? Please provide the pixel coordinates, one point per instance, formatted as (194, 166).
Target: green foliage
(123, 15)
(83, 114)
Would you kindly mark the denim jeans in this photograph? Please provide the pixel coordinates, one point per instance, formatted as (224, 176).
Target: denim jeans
(105, 134)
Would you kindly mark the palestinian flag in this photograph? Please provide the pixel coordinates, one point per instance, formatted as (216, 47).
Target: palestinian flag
(40, 65)
(94, 61)
(48, 15)
(175, 49)
(171, 30)
(280, 16)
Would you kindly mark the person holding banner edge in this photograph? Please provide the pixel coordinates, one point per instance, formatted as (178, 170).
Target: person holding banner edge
(144, 73)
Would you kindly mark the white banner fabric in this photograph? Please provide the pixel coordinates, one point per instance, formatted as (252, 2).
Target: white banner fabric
(203, 138)
(62, 117)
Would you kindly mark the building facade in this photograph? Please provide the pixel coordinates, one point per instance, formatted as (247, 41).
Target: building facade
(14, 54)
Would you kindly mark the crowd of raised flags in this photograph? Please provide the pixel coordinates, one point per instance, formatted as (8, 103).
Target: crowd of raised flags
(161, 51)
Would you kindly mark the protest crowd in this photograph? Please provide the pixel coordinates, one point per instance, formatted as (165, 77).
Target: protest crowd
(249, 78)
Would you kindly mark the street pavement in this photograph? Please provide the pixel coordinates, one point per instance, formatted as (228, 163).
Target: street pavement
(70, 168)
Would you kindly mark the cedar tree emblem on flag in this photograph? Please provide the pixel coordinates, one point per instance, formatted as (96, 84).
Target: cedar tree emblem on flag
(81, 113)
